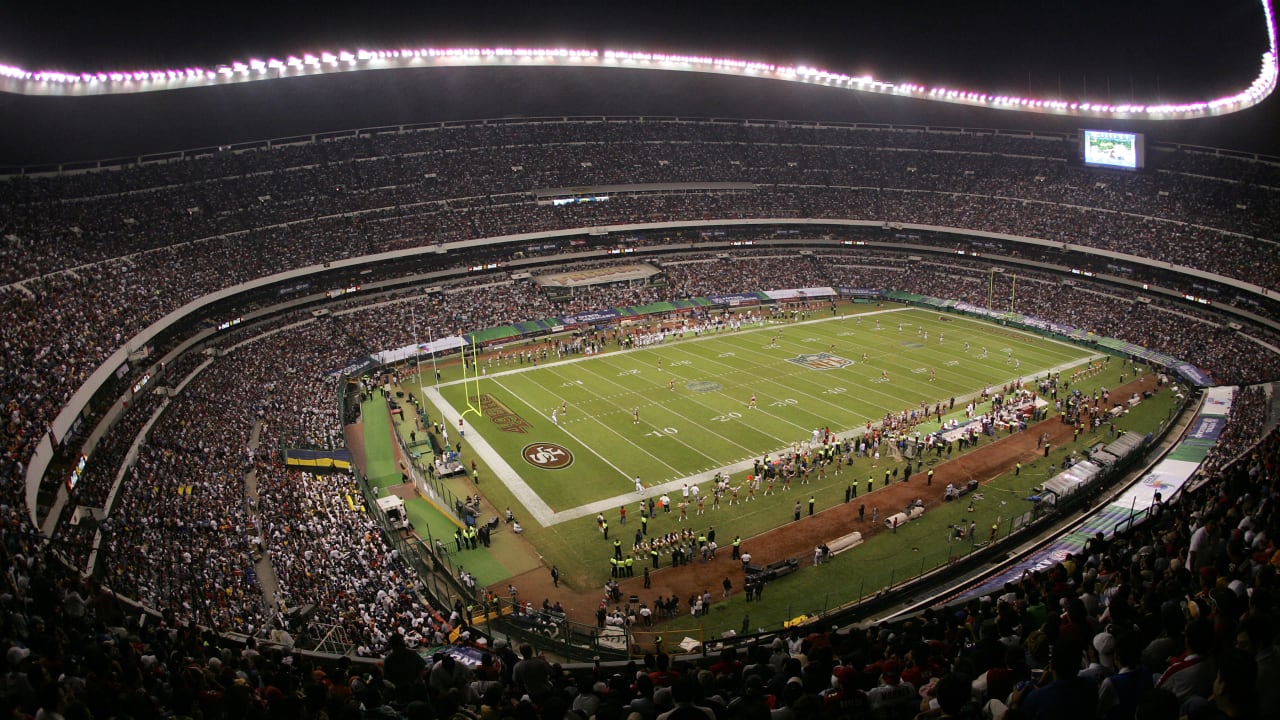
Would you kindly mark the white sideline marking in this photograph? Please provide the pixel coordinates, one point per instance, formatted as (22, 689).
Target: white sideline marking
(532, 502)
(546, 517)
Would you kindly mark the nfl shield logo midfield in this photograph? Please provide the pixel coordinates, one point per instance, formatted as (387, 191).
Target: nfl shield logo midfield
(821, 361)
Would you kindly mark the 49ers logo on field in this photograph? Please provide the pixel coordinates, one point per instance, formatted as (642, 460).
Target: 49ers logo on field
(548, 456)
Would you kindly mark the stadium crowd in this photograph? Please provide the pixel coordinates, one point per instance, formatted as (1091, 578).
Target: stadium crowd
(480, 171)
(1174, 618)
(184, 532)
(245, 215)
(294, 400)
(328, 551)
(291, 393)
(196, 454)
(177, 533)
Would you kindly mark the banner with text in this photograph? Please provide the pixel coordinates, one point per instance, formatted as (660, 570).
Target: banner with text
(438, 345)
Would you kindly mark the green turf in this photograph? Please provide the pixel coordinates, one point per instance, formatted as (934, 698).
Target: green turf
(891, 558)
(380, 458)
(601, 392)
(432, 518)
(702, 422)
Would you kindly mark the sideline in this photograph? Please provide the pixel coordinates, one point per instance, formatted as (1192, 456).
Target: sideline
(547, 517)
(502, 470)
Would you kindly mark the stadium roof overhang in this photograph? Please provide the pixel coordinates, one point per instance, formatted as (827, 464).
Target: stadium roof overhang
(22, 81)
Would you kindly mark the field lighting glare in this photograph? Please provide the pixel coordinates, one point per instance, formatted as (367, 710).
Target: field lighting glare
(18, 80)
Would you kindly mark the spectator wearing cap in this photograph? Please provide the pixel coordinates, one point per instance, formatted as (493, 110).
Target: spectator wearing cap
(778, 654)
(843, 698)
(711, 696)
(1119, 694)
(891, 697)
(1102, 658)
(17, 682)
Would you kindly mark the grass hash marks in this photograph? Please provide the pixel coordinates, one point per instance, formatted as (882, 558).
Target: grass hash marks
(680, 411)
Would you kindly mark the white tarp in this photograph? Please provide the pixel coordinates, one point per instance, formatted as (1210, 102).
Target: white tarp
(404, 353)
(800, 293)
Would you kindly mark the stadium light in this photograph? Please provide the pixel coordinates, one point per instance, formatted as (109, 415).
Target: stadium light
(14, 79)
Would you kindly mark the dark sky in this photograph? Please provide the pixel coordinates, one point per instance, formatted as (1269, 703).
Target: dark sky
(1105, 51)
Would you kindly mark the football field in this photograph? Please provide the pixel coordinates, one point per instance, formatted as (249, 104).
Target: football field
(570, 437)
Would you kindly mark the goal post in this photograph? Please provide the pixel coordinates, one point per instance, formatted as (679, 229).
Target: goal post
(471, 378)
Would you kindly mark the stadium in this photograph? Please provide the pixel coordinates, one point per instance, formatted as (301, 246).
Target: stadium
(821, 409)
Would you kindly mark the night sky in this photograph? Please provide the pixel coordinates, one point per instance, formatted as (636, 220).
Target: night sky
(1103, 51)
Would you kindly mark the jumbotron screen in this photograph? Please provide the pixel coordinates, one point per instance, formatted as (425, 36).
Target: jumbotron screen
(1104, 148)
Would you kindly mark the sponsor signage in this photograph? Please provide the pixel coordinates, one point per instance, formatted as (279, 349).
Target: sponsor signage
(77, 472)
(435, 346)
(299, 287)
(353, 367)
(858, 292)
(589, 317)
(821, 361)
(734, 299)
(1207, 428)
(1193, 374)
(339, 292)
(800, 293)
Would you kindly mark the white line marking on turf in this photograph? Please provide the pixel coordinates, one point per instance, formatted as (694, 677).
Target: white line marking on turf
(543, 513)
(647, 423)
(526, 495)
(625, 476)
(599, 506)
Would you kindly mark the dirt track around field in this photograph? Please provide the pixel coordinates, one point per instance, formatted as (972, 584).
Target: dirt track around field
(798, 539)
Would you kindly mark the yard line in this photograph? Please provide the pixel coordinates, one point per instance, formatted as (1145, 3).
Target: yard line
(537, 507)
(906, 378)
(867, 385)
(777, 367)
(812, 381)
(1040, 357)
(703, 338)
(737, 402)
(986, 323)
(606, 426)
(733, 469)
(735, 339)
(1036, 354)
(678, 440)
